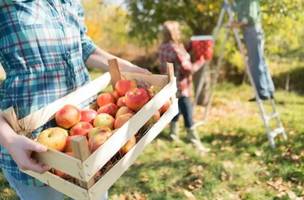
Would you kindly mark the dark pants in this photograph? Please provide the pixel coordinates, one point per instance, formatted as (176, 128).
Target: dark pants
(185, 108)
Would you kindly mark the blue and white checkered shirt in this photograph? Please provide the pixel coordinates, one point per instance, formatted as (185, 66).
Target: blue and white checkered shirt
(43, 47)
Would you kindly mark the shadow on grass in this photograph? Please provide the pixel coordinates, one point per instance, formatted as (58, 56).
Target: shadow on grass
(286, 160)
(165, 178)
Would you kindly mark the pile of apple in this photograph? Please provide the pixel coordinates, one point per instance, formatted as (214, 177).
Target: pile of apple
(97, 125)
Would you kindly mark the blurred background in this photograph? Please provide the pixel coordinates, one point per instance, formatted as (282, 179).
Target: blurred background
(240, 165)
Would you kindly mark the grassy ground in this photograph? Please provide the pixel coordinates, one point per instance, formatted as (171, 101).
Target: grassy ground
(241, 165)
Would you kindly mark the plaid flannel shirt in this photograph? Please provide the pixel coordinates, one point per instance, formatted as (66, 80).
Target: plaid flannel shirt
(43, 47)
(177, 54)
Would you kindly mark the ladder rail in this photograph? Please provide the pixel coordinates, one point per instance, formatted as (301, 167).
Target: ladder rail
(259, 102)
(271, 134)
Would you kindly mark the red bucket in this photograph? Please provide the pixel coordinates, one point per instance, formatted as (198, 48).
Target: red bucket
(202, 45)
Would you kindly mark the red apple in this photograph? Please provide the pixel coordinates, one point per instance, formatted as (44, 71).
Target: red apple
(165, 107)
(115, 95)
(98, 136)
(110, 109)
(82, 128)
(153, 90)
(104, 120)
(68, 146)
(123, 110)
(128, 146)
(137, 98)
(88, 115)
(123, 86)
(121, 101)
(153, 119)
(97, 130)
(67, 116)
(53, 138)
(122, 119)
(105, 98)
(59, 173)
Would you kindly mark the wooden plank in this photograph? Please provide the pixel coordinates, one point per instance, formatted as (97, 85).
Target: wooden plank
(111, 177)
(61, 185)
(114, 71)
(81, 151)
(40, 117)
(104, 153)
(154, 79)
(62, 162)
(170, 71)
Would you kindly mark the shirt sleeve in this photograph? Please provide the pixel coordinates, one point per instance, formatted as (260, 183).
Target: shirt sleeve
(184, 59)
(248, 11)
(253, 12)
(88, 46)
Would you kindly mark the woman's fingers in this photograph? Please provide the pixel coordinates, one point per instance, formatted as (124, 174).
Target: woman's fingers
(31, 164)
(34, 146)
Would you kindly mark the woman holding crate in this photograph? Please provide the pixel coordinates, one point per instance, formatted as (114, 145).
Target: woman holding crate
(44, 52)
(172, 50)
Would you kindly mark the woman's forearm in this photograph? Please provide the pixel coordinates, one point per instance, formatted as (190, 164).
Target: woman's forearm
(7, 134)
(99, 59)
(198, 65)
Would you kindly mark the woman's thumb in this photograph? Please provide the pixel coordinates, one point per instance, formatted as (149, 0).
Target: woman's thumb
(35, 146)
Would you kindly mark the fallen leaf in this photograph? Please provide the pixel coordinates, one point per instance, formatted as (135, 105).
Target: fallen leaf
(189, 195)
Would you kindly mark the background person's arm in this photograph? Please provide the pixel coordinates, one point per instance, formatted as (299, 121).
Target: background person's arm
(21, 148)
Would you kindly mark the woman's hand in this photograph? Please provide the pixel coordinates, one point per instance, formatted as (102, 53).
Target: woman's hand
(21, 149)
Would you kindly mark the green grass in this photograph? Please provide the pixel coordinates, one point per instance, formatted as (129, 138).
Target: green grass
(241, 165)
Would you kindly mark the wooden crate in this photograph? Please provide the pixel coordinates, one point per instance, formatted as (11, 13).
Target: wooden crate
(85, 166)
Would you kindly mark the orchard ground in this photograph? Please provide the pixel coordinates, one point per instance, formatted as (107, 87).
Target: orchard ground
(241, 165)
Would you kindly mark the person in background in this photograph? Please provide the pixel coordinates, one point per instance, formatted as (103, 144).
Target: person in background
(173, 51)
(249, 20)
(44, 52)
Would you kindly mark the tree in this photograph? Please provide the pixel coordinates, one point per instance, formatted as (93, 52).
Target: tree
(147, 16)
(107, 24)
(200, 17)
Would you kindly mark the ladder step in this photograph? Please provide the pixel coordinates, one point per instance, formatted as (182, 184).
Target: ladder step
(276, 132)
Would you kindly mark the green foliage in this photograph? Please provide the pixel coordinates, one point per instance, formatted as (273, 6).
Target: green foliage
(147, 16)
(280, 19)
(107, 24)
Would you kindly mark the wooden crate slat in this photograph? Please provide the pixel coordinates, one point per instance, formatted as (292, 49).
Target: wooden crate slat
(104, 153)
(114, 71)
(39, 118)
(111, 177)
(61, 185)
(62, 162)
(154, 79)
(81, 151)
